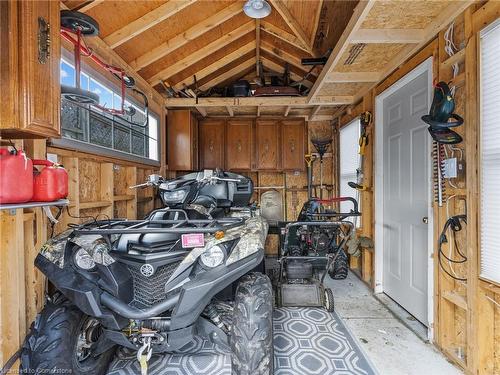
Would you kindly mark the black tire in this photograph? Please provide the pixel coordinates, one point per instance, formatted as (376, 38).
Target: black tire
(50, 347)
(328, 301)
(339, 269)
(77, 95)
(251, 337)
(73, 20)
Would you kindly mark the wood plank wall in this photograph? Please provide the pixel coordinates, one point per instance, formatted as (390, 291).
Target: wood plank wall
(97, 187)
(466, 318)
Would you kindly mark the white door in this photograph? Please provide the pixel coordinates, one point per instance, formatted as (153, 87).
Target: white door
(406, 195)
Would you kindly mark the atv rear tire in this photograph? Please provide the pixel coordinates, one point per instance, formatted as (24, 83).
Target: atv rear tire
(252, 332)
(339, 269)
(51, 345)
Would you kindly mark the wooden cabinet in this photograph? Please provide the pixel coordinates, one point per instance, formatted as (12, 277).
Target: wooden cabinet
(211, 134)
(239, 148)
(30, 45)
(293, 144)
(182, 134)
(267, 145)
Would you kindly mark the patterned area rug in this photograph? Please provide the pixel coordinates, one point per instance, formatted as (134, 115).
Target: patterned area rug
(306, 341)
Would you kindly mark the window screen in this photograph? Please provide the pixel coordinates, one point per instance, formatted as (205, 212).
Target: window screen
(349, 161)
(490, 152)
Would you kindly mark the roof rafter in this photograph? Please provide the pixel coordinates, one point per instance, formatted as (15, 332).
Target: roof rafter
(207, 70)
(201, 53)
(283, 35)
(292, 23)
(146, 22)
(279, 69)
(228, 74)
(179, 40)
(283, 55)
(257, 46)
(88, 5)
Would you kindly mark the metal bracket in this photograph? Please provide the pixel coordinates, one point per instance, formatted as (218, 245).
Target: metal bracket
(43, 40)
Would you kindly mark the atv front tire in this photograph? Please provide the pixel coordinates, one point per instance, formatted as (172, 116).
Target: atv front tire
(339, 269)
(51, 346)
(252, 332)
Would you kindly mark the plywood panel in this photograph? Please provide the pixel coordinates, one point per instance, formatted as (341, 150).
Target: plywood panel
(373, 58)
(395, 14)
(347, 89)
(89, 180)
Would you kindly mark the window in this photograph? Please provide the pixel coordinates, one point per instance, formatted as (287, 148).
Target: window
(490, 152)
(349, 162)
(94, 130)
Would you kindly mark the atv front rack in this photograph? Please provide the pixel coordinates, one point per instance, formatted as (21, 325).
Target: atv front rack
(149, 225)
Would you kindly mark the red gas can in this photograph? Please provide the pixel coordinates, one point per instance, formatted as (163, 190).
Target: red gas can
(16, 177)
(51, 183)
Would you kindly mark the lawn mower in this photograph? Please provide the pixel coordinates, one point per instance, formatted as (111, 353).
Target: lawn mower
(310, 248)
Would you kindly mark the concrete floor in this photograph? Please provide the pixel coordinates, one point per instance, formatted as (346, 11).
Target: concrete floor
(391, 346)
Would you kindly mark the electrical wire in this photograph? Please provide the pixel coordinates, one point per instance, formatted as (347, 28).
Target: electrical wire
(450, 48)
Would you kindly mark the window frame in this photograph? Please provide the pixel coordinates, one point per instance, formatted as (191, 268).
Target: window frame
(87, 146)
(494, 25)
(356, 220)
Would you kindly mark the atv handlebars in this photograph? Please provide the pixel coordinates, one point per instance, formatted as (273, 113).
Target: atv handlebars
(208, 177)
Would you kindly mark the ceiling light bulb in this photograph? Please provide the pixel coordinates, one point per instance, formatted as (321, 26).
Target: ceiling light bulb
(257, 8)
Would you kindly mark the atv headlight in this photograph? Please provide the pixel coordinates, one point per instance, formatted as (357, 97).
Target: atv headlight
(174, 196)
(212, 257)
(84, 260)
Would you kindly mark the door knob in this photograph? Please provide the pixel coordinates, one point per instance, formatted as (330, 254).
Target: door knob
(425, 220)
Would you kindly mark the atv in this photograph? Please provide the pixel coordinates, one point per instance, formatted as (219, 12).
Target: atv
(191, 268)
(311, 247)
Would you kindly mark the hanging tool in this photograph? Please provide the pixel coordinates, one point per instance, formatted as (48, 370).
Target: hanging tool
(438, 156)
(365, 119)
(309, 162)
(321, 147)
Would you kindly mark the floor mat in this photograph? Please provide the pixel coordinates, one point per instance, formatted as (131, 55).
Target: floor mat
(306, 341)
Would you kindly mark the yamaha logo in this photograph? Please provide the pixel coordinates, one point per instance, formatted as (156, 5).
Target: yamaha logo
(147, 270)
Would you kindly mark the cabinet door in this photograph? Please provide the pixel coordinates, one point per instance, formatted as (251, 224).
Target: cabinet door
(211, 134)
(293, 145)
(267, 141)
(239, 145)
(39, 88)
(180, 140)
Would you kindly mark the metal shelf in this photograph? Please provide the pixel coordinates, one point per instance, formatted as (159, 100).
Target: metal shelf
(14, 206)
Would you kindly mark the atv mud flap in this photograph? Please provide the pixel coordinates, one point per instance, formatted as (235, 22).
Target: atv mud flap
(301, 295)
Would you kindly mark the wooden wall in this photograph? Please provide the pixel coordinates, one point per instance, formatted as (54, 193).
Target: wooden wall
(98, 187)
(466, 318)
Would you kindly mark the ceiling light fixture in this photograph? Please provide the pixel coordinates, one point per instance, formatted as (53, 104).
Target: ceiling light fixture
(257, 8)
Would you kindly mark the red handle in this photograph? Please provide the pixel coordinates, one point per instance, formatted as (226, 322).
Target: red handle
(43, 162)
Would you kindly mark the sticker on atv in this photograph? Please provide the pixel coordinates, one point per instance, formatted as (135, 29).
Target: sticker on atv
(193, 240)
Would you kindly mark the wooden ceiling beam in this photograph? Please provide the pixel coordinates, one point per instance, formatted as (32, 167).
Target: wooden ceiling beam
(192, 33)
(146, 22)
(257, 46)
(345, 77)
(283, 35)
(292, 23)
(280, 69)
(201, 53)
(212, 68)
(88, 5)
(388, 36)
(228, 74)
(254, 101)
(283, 55)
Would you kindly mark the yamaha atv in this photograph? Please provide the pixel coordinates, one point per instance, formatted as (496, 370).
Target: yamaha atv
(311, 247)
(151, 285)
